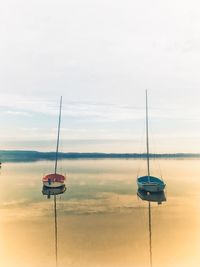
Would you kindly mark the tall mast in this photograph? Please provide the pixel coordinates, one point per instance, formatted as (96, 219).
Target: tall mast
(58, 136)
(147, 137)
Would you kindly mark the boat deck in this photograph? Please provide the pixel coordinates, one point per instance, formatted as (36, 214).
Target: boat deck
(150, 179)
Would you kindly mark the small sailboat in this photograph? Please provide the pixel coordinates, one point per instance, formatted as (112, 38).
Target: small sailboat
(55, 180)
(149, 183)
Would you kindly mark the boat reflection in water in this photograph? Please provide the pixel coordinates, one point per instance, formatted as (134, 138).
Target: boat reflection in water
(158, 197)
(54, 191)
(48, 191)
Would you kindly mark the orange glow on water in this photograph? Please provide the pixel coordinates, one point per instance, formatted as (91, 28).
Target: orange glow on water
(101, 221)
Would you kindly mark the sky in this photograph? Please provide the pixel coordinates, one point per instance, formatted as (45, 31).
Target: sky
(100, 56)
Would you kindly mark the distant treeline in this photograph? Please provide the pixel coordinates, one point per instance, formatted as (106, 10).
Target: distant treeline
(22, 155)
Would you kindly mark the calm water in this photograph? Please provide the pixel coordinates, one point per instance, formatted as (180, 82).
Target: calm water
(101, 221)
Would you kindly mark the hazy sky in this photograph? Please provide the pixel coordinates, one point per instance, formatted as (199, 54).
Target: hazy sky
(101, 56)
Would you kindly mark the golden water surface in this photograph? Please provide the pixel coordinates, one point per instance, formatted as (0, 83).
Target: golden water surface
(101, 221)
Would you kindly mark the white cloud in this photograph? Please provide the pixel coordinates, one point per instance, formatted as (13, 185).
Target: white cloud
(16, 113)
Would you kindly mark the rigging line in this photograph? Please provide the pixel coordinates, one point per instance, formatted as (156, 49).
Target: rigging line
(142, 136)
(56, 231)
(150, 236)
(155, 148)
(58, 136)
(147, 137)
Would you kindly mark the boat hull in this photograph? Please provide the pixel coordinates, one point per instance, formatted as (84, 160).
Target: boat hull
(150, 184)
(54, 180)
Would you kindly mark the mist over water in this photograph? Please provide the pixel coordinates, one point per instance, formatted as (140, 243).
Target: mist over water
(101, 221)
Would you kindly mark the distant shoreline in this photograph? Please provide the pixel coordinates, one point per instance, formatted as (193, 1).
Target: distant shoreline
(27, 156)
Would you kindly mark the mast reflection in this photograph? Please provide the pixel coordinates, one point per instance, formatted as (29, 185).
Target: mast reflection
(54, 191)
(158, 197)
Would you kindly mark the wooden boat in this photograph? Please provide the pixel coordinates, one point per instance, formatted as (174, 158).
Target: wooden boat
(54, 180)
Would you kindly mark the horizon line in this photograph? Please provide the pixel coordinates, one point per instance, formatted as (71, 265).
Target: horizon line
(104, 153)
(33, 156)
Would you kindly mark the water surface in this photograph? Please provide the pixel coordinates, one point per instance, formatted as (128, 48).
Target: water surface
(101, 221)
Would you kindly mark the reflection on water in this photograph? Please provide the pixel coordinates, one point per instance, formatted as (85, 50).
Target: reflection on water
(101, 220)
(158, 197)
(51, 191)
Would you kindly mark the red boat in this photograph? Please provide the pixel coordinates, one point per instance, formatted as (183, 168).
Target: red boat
(54, 180)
